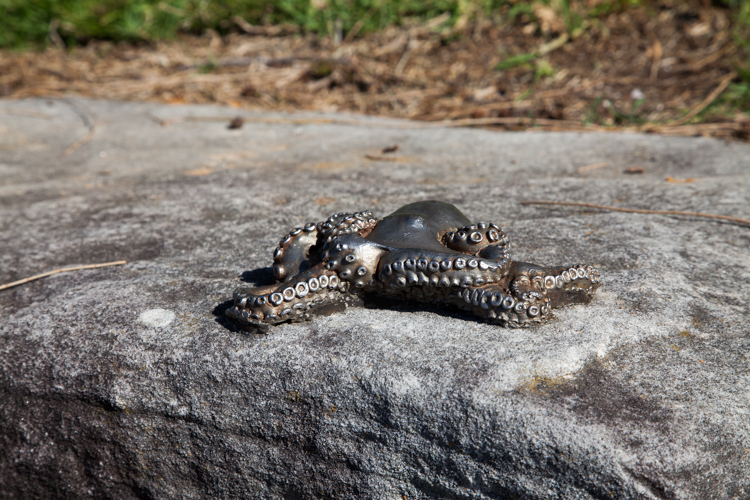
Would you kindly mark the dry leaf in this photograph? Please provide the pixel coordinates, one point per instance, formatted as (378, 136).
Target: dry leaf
(197, 172)
(324, 200)
(635, 170)
(236, 123)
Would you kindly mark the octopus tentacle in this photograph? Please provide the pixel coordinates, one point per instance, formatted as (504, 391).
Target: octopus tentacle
(498, 253)
(474, 238)
(293, 251)
(346, 223)
(495, 304)
(355, 260)
(312, 290)
(403, 268)
(531, 295)
(531, 299)
(573, 285)
(427, 251)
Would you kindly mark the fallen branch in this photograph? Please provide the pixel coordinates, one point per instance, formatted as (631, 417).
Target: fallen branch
(63, 270)
(637, 211)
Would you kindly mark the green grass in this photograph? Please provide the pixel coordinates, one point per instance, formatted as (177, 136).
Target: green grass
(28, 23)
(733, 100)
(515, 61)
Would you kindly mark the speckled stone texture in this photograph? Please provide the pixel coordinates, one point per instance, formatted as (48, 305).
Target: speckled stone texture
(127, 382)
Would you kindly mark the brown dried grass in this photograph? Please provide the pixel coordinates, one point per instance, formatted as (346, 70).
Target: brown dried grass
(418, 73)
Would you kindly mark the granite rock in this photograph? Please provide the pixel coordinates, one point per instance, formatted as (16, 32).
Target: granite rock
(127, 382)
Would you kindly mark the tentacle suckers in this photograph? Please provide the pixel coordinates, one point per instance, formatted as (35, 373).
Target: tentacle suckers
(427, 251)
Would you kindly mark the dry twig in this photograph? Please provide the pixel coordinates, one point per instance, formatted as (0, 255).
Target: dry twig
(63, 270)
(700, 128)
(24, 112)
(553, 45)
(358, 26)
(80, 142)
(723, 84)
(282, 29)
(724, 51)
(636, 210)
(373, 157)
(399, 69)
(587, 168)
(89, 122)
(657, 52)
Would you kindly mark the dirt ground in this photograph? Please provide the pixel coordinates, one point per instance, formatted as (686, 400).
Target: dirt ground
(662, 71)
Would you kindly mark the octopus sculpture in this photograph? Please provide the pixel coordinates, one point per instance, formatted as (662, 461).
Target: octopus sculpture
(426, 251)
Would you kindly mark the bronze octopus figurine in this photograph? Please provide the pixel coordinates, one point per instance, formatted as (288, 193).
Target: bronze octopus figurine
(426, 251)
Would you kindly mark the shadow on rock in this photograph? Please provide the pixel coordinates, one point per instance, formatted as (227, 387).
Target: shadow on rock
(259, 277)
(221, 318)
(379, 302)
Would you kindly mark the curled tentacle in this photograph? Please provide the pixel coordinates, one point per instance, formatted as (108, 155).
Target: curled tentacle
(346, 223)
(476, 237)
(574, 285)
(483, 239)
(532, 302)
(355, 260)
(498, 253)
(292, 254)
(294, 300)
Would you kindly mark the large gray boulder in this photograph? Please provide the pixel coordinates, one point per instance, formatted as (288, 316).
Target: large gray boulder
(127, 382)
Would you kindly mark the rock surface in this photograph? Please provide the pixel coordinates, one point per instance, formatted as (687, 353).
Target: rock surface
(126, 382)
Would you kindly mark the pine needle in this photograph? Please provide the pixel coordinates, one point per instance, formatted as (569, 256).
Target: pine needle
(638, 211)
(63, 270)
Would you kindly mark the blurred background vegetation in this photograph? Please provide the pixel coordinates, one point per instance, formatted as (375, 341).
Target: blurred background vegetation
(637, 63)
(33, 23)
